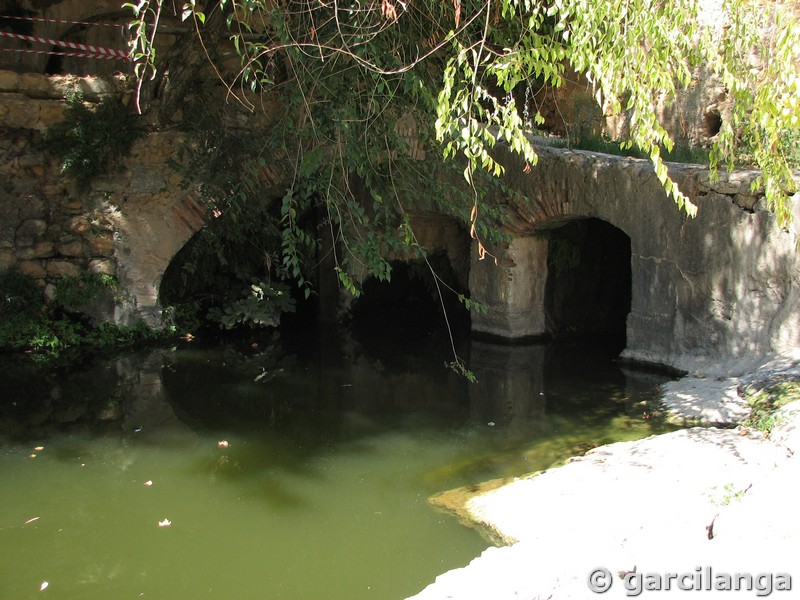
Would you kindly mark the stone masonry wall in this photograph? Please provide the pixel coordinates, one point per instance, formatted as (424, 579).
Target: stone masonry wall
(129, 224)
(724, 286)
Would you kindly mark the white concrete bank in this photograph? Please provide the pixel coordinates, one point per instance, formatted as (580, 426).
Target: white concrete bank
(646, 505)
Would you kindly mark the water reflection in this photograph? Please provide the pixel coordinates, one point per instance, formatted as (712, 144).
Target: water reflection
(287, 468)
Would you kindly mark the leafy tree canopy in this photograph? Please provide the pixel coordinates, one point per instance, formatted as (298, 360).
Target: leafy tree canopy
(351, 70)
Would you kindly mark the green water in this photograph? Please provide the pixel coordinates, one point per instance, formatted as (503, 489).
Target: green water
(286, 472)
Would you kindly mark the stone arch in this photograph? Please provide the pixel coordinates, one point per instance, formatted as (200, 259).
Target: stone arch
(440, 235)
(698, 285)
(409, 306)
(147, 243)
(565, 186)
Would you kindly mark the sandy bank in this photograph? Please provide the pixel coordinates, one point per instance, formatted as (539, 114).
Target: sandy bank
(700, 501)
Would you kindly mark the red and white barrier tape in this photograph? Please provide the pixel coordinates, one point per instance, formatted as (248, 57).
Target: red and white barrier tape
(54, 53)
(45, 20)
(96, 50)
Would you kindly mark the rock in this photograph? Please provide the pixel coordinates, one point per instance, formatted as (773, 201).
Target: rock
(9, 81)
(39, 250)
(707, 400)
(32, 268)
(30, 231)
(104, 266)
(36, 85)
(7, 258)
(74, 248)
(80, 224)
(649, 505)
(101, 245)
(62, 268)
(33, 207)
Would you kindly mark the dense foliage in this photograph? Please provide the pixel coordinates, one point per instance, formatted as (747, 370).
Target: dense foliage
(364, 67)
(47, 330)
(92, 137)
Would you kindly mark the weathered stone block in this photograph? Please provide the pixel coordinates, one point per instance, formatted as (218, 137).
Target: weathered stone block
(9, 81)
(31, 207)
(80, 224)
(514, 292)
(30, 160)
(73, 248)
(50, 113)
(95, 88)
(39, 250)
(62, 268)
(36, 85)
(102, 245)
(7, 258)
(105, 266)
(30, 231)
(32, 268)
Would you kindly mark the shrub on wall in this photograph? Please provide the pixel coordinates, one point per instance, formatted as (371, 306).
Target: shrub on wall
(21, 307)
(91, 139)
(29, 324)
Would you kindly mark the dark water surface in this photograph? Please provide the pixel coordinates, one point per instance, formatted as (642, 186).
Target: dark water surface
(287, 470)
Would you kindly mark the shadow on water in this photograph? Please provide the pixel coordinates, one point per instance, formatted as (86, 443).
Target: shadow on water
(286, 465)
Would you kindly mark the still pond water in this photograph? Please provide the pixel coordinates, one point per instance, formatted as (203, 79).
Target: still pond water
(289, 469)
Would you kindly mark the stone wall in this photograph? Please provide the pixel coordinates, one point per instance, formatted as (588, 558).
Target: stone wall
(129, 224)
(724, 286)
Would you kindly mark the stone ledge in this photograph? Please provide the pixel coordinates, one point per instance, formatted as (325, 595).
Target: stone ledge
(702, 497)
(645, 505)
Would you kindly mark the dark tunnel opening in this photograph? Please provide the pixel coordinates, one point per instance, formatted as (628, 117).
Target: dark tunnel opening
(588, 289)
(410, 310)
